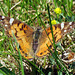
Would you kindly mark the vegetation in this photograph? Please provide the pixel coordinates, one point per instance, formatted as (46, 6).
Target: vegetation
(34, 13)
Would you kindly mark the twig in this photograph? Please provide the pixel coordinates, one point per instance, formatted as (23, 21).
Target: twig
(15, 5)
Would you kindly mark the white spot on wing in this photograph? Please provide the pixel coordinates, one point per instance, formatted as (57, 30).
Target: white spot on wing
(66, 54)
(70, 23)
(3, 17)
(62, 25)
(65, 30)
(6, 25)
(70, 26)
(11, 21)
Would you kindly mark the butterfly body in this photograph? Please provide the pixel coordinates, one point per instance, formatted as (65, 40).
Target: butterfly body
(34, 43)
(36, 39)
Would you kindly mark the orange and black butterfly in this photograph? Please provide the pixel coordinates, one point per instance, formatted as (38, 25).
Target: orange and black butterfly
(33, 43)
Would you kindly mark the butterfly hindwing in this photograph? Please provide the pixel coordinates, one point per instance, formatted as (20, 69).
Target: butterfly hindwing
(22, 32)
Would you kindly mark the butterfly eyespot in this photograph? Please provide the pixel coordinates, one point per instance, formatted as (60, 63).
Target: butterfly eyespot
(22, 51)
(26, 54)
(41, 53)
(44, 51)
(50, 46)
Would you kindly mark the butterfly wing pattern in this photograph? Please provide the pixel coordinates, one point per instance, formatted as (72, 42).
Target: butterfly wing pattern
(30, 46)
(59, 30)
(22, 32)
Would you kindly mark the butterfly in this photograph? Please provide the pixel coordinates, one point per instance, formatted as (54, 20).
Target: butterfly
(34, 43)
